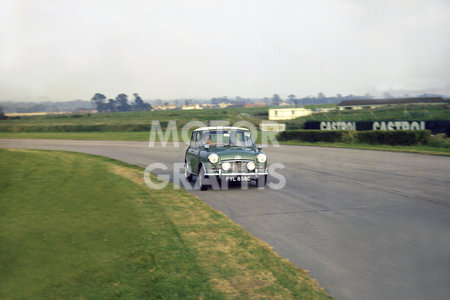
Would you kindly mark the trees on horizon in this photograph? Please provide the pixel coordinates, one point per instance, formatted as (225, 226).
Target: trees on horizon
(119, 104)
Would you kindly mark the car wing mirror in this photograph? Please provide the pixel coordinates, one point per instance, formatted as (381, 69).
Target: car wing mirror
(206, 146)
(259, 147)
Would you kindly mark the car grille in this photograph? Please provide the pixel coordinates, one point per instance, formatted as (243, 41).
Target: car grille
(238, 167)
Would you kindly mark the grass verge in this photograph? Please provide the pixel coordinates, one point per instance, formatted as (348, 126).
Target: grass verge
(105, 136)
(144, 136)
(412, 149)
(79, 226)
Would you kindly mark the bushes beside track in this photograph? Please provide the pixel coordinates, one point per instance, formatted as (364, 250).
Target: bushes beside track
(79, 128)
(313, 136)
(404, 137)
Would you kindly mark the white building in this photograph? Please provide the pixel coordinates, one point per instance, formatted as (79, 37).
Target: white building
(191, 107)
(224, 104)
(288, 113)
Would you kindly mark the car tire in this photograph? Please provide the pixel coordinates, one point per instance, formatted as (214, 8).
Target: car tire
(201, 179)
(187, 174)
(261, 181)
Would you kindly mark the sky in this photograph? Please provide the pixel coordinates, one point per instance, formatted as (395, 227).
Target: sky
(175, 49)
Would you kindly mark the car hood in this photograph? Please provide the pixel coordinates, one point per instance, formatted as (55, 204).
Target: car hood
(235, 153)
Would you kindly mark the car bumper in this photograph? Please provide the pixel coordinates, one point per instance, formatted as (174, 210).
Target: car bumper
(220, 174)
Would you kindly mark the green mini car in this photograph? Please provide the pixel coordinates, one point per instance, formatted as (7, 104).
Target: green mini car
(226, 154)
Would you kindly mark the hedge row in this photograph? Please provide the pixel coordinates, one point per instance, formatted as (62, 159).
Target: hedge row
(89, 127)
(313, 136)
(404, 137)
(79, 128)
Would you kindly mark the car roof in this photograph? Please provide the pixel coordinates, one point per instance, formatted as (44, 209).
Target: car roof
(220, 128)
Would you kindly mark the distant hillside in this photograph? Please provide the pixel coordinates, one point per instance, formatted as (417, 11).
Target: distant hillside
(31, 107)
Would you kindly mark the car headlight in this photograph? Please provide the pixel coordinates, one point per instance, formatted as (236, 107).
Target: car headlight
(251, 166)
(213, 158)
(226, 166)
(261, 158)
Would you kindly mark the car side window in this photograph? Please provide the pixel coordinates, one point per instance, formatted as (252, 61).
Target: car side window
(197, 140)
(192, 143)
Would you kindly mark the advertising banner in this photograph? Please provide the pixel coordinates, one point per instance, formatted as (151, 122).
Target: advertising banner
(434, 126)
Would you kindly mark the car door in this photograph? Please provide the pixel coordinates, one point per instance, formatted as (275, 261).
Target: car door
(197, 149)
(189, 151)
(193, 151)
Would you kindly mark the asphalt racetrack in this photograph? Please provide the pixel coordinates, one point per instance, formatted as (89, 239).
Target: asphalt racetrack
(366, 224)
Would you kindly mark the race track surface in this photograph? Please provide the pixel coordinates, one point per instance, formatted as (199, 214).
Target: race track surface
(366, 224)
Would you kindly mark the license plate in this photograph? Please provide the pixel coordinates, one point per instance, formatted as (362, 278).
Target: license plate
(238, 178)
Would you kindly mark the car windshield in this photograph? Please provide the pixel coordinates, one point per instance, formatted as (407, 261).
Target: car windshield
(232, 138)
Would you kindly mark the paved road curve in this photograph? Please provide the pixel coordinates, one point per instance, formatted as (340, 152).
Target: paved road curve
(367, 224)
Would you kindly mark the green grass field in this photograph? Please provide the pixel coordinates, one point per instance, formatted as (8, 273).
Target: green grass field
(401, 112)
(254, 115)
(80, 226)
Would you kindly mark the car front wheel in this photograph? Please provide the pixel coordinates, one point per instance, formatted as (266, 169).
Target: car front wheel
(187, 174)
(201, 179)
(261, 181)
